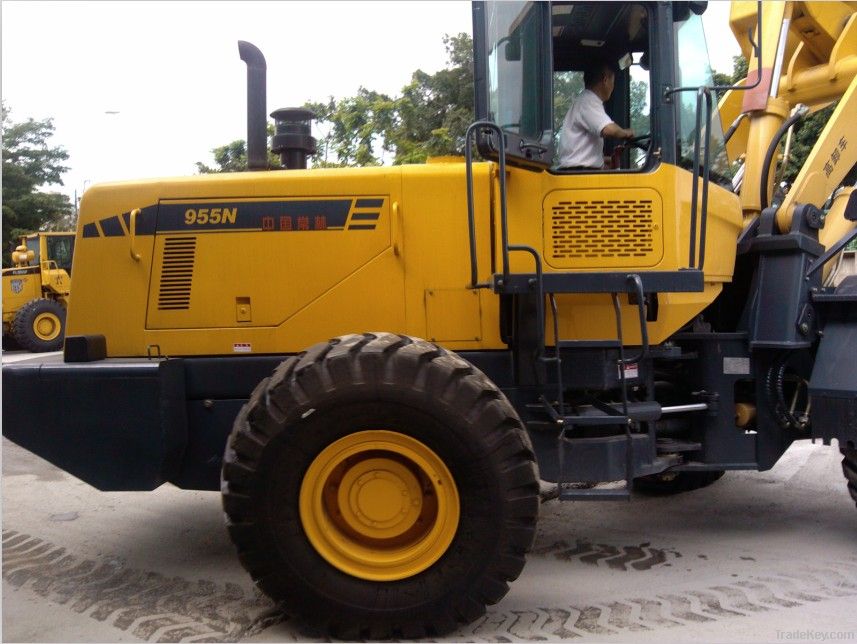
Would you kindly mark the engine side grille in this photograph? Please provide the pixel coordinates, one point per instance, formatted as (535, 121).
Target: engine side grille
(602, 232)
(176, 273)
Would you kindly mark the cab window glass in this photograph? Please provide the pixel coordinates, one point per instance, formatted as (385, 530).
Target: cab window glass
(60, 251)
(33, 245)
(515, 63)
(694, 70)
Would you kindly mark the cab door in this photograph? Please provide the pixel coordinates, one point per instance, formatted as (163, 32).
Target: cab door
(512, 76)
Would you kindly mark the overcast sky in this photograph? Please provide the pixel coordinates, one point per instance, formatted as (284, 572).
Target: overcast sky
(172, 73)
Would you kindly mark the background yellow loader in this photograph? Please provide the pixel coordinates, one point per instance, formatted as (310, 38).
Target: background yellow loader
(36, 291)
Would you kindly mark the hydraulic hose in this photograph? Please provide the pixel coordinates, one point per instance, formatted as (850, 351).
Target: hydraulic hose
(798, 113)
(734, 126)
(775, 380)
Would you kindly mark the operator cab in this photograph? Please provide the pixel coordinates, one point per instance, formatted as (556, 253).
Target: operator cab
(529, 61)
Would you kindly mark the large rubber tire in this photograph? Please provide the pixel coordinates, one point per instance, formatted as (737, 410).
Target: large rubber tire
(39, 326)
(9, 343)
(417, 403)
(675, 482)
(849, 468)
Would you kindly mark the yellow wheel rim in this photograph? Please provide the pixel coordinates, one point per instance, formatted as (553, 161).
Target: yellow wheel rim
(379, 505)
(47, 326)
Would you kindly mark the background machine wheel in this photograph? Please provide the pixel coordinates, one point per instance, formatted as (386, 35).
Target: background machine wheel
(378, 485)
(39, 325)
(849, 468)
(675, 482)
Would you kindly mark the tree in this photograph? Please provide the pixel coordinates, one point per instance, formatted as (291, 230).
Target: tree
(359, 128)
(436, 109)
(29, 163)
(805, 135)
(566, 85)
(740, 68)
(232, 157)
(430, 118)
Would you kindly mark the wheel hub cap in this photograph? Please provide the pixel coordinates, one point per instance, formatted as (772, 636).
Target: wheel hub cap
(379, 505)
(380, 498)
(47, 326)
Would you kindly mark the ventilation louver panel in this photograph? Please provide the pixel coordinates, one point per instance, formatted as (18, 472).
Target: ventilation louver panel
(177, 273)
(603, 232)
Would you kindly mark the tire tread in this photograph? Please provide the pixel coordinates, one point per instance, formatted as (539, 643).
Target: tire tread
(849, 469)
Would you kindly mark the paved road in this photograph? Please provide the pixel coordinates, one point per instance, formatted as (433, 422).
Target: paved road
(756, 557)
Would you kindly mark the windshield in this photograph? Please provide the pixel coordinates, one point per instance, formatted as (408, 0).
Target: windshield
(694, 70)
(60, 249)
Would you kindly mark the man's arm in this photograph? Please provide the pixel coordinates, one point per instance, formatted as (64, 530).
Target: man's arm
(615, 132)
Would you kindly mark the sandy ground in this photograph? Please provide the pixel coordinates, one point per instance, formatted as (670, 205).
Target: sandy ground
(756, 557)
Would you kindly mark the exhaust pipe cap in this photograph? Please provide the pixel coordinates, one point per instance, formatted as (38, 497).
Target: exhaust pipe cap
(292, 139)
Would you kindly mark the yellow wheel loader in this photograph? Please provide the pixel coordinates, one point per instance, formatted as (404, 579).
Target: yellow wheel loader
(36, 291)
(381, 368)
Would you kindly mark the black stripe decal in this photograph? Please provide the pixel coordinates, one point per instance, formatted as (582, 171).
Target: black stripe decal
(369, 203)
(89, 230)
(112, 227)
(360, 227)
(145, 220)
(366, 216)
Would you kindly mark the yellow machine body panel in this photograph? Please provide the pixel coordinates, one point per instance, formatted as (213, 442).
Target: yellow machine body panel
(20, 285)
(271, 262)
(292, 258)
(586, 224)
(208, 276)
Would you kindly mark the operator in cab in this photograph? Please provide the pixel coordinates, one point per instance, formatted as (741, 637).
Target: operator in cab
(581, 140)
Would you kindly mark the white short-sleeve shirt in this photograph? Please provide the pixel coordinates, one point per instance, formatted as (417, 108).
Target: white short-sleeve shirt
(580, 142)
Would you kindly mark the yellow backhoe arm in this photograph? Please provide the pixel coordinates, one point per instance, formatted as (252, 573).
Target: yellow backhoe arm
(809, 57)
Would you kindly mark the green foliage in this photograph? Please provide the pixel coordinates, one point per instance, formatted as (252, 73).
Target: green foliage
(30, 163)
(640, 121)
(357, 127)
(566, 85)
(805, 135)
(232, 157)
(740, 68)
(430, 117)
(435, 110)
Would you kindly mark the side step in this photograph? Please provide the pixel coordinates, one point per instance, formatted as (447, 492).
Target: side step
(622, 455)
(600, 459)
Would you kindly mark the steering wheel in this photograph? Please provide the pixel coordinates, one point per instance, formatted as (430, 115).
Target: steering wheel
(637, 141)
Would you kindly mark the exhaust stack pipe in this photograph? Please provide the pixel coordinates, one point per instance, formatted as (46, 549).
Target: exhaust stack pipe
(257, 132)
